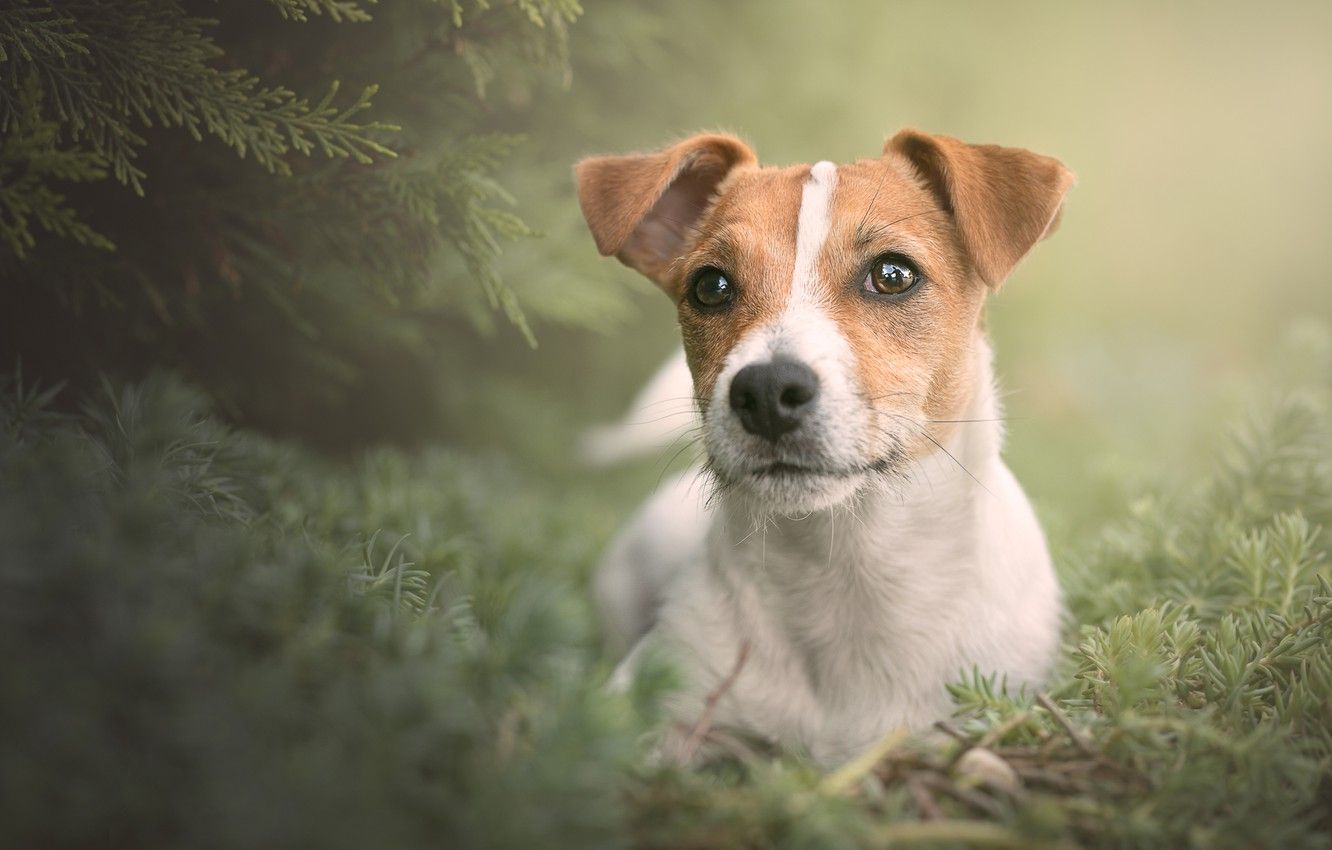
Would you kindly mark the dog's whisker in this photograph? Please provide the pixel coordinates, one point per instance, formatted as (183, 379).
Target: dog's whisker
(855, 514)
(883, 178)
(691, 434)
(682, 398)
(751, 533)
(763, 556)
(699, 482)
(832, 535)
(880, 230)
(924, 432)
(895, 395)
(637, 422)
(690, 442)
(973, 421)
(950, 421)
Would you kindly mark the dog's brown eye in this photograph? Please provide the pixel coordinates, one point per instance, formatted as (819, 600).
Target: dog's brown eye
(891, 274)
(711, 289)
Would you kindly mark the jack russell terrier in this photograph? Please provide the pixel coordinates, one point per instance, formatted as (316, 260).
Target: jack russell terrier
(864, 544)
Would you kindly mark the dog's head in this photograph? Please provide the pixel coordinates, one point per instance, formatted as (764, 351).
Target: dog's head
(830, 313)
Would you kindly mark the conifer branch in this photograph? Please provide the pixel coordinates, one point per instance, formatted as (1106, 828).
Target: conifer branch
(107, 68)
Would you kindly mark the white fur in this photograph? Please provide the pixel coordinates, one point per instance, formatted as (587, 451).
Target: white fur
(812, 224)
(838, 428)
(662, 411)
(859, 601)
(664, 537)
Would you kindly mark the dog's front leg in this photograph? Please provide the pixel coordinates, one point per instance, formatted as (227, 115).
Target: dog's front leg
(700, 714)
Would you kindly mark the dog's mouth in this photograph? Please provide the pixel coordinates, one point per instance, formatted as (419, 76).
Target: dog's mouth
(799, 487)
(786, 470)
(804, 471)
(796, 484)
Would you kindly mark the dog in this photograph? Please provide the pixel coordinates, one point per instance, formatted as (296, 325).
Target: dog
(860, 544)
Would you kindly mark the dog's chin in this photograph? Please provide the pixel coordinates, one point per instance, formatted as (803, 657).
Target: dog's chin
(790, 489)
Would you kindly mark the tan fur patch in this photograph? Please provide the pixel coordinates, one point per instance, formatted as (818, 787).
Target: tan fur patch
(750, 234)
(910, 354)
(963, 214)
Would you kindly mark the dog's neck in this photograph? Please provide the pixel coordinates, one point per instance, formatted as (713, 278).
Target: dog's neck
(892, 531)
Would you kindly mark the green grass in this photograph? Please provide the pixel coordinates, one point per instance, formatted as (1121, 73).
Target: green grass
(217, 640)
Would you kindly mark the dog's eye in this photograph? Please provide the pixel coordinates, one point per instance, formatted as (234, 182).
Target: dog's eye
(711, 289)
(891, 274)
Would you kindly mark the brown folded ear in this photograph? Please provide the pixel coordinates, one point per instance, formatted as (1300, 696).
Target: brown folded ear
(642, 207)
(1003, 200)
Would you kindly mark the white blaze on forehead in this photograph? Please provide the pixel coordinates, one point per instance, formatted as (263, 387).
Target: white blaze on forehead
(812, 228)
(803, 331)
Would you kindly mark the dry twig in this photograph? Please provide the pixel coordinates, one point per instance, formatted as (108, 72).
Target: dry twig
(1063, 720)
(705, 720)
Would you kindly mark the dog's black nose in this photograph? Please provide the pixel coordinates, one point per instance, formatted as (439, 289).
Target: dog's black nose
(772, 398)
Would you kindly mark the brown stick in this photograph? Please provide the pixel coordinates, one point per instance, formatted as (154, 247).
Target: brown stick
(978, 801)
(929, 809)
(992, 737)
(704, 724)
(952, 731)
(1063, 720)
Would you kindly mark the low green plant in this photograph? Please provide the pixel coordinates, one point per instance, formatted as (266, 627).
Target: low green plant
(216, 639)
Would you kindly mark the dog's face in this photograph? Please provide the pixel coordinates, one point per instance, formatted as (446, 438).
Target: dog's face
(829, 313)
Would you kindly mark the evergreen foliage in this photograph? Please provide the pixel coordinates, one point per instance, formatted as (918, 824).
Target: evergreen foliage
(215, 639)
(339, 205)
(29, 162)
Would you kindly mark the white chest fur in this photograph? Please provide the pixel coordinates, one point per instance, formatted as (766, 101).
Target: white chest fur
(856, 617)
